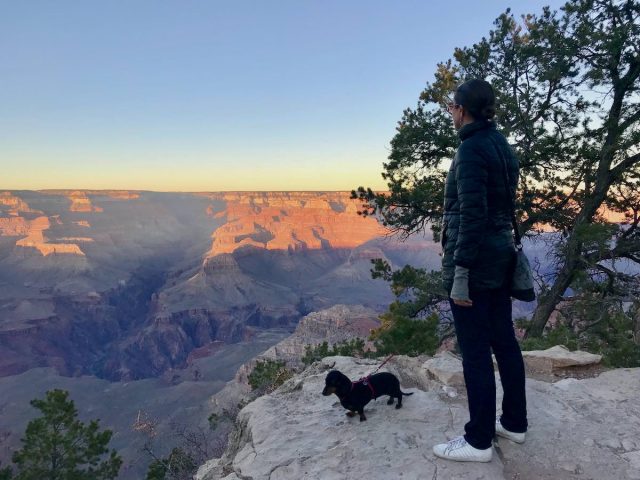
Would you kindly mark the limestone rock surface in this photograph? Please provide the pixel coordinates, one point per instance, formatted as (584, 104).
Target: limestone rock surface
(558, 357)
(445, 367)
(578, 429)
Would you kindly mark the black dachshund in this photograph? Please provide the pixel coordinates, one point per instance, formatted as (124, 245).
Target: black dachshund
(355, 395)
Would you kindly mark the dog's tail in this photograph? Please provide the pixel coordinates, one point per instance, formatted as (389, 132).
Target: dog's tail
(406, 394)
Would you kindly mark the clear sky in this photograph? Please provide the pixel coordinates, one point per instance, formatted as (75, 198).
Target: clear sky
(217, 95)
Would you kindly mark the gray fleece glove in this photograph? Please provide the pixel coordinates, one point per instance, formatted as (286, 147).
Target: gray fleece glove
(460, 289)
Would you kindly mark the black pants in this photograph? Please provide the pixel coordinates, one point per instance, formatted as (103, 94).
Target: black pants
(485, 326)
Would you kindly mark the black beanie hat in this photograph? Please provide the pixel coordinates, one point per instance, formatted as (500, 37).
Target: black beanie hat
(478, 98)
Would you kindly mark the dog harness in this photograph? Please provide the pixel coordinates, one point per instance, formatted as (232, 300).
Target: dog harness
(365, 381)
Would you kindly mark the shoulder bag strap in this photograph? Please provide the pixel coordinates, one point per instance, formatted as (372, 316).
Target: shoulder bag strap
(507, 184)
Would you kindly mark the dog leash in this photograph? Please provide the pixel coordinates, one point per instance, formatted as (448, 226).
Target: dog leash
(382, 364)
(365, 379)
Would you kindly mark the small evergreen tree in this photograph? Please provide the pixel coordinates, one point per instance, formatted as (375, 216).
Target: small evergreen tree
(410, 325)
(347, 348)
(57, 446)
(406, 336)
(5, 473)
(178, 465)
(313, 353)
(268, 375)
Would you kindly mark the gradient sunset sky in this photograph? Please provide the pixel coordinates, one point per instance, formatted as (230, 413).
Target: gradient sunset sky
(211, 95)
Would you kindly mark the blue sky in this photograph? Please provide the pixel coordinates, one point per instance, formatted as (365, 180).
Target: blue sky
(209, 95)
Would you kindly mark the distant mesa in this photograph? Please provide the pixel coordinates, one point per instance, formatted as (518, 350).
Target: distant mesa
(81, 203)
(76, 239)
(33, 229)
(15, 205)
(82, 223)
(290, 221)
(118, 194)
(115, 194)
(47, 249)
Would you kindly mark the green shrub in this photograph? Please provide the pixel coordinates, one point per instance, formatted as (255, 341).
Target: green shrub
(268, 375)
(608, 332)
(613, 339)
(347, 348)
(402, 335)
(561, 335)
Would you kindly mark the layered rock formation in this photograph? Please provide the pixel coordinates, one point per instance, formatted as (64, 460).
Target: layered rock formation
(333, 325)
(36, 239)
(16, 226)
(291, 221)
(14, 205)
(81, 203)
(578, 429)
(26, 222)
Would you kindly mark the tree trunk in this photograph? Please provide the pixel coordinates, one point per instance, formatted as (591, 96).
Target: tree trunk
(636, 325)
(548, 301)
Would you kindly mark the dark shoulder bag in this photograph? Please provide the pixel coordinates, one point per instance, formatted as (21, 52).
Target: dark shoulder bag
(522, 276)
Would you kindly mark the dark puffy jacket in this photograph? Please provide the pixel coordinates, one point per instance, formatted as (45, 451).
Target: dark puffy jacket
(477, 232)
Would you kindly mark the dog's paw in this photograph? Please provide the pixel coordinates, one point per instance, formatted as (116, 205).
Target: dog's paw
(398, 406)
(363, 418)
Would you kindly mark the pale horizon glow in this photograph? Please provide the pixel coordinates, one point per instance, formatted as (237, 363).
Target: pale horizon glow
(217, 96)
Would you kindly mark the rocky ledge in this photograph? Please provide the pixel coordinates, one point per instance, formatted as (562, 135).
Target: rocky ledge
(584, 428)
(340, 323)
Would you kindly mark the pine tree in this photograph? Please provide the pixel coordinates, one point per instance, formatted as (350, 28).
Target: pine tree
(567, 87)
(57, 446)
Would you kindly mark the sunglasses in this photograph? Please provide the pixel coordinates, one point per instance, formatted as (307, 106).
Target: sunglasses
(449, 105)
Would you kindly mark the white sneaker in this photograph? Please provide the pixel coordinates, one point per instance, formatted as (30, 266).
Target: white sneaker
(460, 451)
(504, 433)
